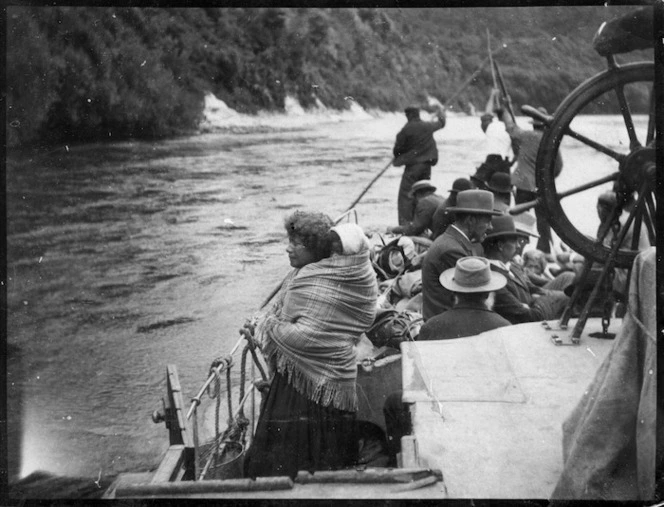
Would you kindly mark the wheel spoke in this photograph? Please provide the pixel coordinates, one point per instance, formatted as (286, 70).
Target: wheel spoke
(586, 186)
(650, 136)
(638, 220)
(594, 144)
(649, 218)
(627, 116)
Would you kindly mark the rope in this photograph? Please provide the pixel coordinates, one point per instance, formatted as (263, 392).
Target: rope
(243, 375)
(640, 324)
(248, 333)
(216, 417)
(229, 396)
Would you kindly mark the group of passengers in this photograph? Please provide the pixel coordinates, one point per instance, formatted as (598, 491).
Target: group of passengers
(475, 276)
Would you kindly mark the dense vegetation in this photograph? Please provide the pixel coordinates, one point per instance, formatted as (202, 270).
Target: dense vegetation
(90, 73)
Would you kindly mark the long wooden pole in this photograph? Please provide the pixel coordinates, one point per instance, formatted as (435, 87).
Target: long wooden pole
(493, 69)
(472, 76)
(503, 90)
(366, 189)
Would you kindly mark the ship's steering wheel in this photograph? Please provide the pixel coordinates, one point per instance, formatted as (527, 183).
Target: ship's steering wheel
(623, 160)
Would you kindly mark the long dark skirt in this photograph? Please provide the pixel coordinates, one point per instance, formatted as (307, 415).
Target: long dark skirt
(294, 433)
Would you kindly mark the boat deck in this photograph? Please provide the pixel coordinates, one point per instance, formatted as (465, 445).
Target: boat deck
(487, 415)
(500, 399)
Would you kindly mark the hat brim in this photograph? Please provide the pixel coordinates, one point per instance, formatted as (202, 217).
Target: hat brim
(528, 234)
(446, 279)
(474, 211)
(413, 192)
(507, 234)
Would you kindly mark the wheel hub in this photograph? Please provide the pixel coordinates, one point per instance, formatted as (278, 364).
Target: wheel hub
(637, 167)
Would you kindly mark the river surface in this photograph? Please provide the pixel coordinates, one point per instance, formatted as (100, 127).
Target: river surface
(125, 257)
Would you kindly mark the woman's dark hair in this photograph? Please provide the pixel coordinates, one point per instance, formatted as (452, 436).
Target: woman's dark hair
(312, 230)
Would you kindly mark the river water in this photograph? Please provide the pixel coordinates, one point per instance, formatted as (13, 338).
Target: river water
(125, 257)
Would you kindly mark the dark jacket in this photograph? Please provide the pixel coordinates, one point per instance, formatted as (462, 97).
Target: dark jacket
(441, 219)
(423, 216)
(442, 255)
(466, 319)
(519, 290)
(415, 142)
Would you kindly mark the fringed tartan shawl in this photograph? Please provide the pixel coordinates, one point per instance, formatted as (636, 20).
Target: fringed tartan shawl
(310, 331)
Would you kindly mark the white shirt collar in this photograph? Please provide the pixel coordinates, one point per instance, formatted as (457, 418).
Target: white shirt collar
(505, 265)
(464, 234)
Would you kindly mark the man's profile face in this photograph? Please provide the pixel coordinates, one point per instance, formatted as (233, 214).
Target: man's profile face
(480, 226)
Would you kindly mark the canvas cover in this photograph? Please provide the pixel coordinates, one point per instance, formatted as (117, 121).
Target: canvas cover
(609, 438)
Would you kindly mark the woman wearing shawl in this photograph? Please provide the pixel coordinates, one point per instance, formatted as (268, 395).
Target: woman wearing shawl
(307, 420)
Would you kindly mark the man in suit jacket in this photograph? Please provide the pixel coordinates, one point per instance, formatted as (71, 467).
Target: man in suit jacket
(473, 214)
(520, 300)
(471, 281)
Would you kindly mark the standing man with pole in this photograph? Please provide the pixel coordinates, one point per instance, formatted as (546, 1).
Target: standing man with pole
(415, 148)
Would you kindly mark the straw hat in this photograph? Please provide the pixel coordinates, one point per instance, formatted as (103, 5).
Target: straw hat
(478, 202)
(503, 226)
(421, 185)
(472, 274)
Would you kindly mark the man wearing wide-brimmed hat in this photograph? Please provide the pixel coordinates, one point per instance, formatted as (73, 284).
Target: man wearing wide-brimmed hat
(500, 185)
(473, 212)
(415, 148)
(442, 218)
(471, 281)
(520, 300)
(425, 201)
(523, 176)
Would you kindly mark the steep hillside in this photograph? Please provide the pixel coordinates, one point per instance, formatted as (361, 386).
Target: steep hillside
(94, 73)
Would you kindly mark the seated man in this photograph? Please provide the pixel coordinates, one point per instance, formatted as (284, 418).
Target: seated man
(425, 204)
(520, 300)
(471, 281)
(473, 214)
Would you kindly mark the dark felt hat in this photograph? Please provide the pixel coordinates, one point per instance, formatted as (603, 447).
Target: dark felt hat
(500, 183)
(483, 173)
(477, 202)
(503, 226)
(461, 184)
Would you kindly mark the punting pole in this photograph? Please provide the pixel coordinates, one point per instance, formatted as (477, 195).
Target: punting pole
(503, 90)
(366, 189)
(472, 76)
(493, 69)
(447, 102)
